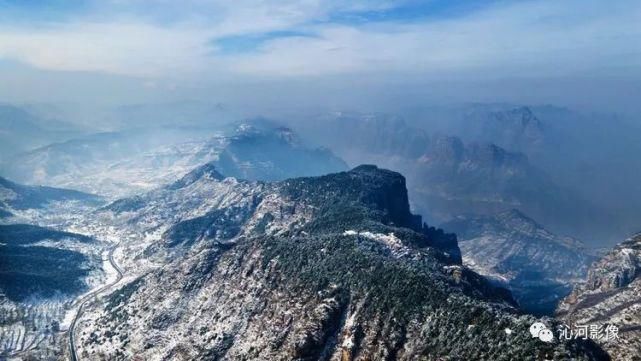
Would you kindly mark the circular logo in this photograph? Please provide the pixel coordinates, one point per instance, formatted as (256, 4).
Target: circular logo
(536, 328)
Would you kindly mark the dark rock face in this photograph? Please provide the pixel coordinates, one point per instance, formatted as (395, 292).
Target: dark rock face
(381, 191)
(218, 224)
(618, 268)
(611, 296)
(333, 267)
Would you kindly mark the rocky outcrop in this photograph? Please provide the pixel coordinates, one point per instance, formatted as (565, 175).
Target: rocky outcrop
(611, 296)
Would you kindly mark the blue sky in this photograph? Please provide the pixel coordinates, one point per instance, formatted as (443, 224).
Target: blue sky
(397, 13)
(34, 13)
(244, 43)
(362, 12)
(315, 37)
(209, 43)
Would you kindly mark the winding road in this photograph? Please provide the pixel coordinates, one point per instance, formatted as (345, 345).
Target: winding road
(83, 301)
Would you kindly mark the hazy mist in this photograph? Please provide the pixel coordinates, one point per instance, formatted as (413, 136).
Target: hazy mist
(259, 57)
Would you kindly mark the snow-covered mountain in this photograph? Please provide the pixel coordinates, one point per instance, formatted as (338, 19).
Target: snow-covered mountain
(611, 295)
(123, 164)
(18, 199)
(45, 265)
(42, 271)
(38, 262)
(538, 266)
(330, 267)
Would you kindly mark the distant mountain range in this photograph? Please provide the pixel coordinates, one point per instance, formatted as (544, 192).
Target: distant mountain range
(117, 164)
(592, 155)
(245, 241)
(538, 266)
(517, 129)
(22, 130)
(448, 177)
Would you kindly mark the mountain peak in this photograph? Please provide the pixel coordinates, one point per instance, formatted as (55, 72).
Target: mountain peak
(206, 170)
(515, 213)
(380, 193)
(365, 168)
(339, 256)
(373, 169)
(266, 130)
(512, 215)
(381, 189)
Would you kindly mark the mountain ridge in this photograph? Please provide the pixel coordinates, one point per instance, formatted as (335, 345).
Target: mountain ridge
(119, 164)
(538, 266)
(305, 268)
(610, 296)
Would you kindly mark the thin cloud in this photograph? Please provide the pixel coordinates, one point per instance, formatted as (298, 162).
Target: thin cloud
(311, 38)
(248, 43)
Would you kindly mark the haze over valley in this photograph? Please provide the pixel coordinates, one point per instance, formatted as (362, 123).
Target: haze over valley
(320, 180)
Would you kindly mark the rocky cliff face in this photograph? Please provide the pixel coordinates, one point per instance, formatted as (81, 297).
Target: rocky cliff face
(330, 268)
(611, 296)
(538, 266)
